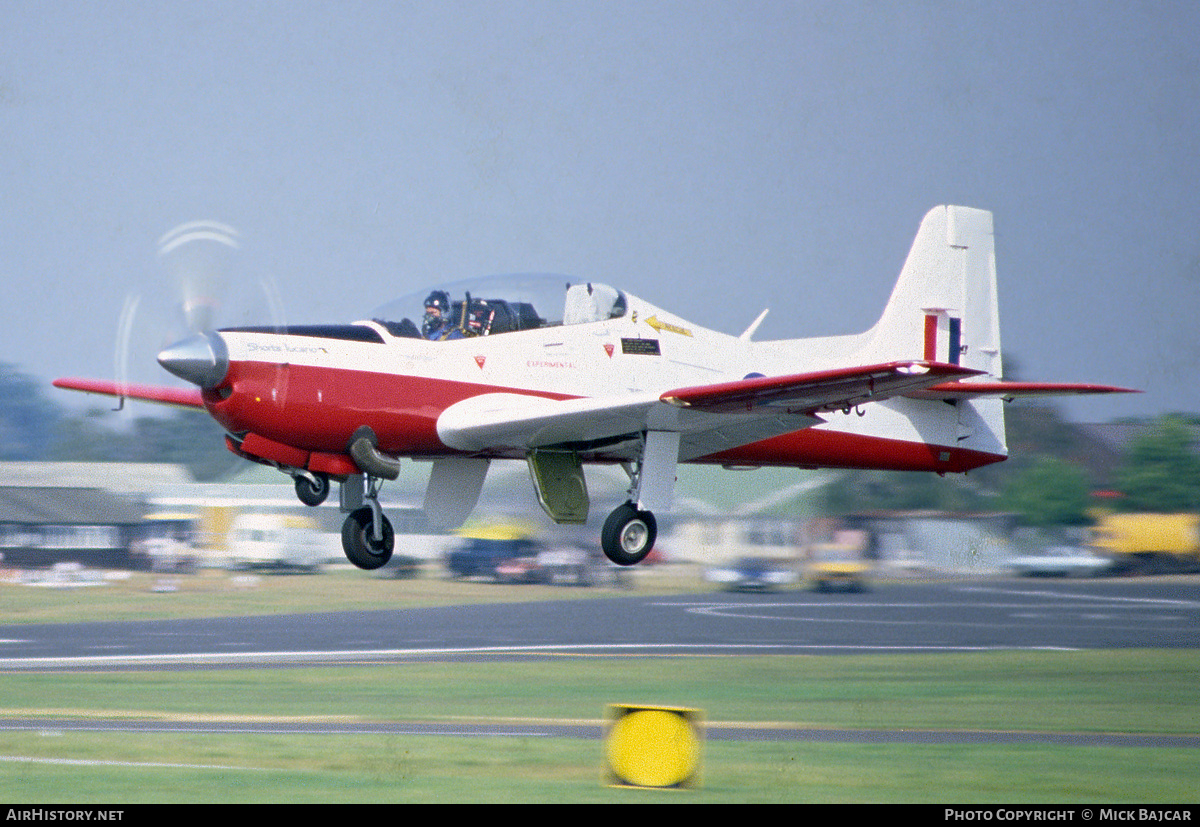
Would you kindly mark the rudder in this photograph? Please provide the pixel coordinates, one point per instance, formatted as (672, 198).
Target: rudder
(944, 307)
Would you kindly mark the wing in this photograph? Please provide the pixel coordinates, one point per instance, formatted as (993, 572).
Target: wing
(952, 391)
(709, 418)
(177, 397)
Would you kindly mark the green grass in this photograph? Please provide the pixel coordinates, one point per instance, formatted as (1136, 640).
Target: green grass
(214, 592)
(1151, 691)
(1119, 691)
(407, 769)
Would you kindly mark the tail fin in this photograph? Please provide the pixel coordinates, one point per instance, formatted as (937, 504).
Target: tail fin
(943, 307)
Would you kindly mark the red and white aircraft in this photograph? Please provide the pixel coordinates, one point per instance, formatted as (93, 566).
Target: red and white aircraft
(563, 375)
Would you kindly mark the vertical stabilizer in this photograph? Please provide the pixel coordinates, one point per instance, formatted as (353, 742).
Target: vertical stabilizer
(944, 307)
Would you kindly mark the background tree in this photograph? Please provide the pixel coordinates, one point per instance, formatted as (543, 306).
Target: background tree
(1161, 471)
(861, 491)
(1050, 492)
(28, 418)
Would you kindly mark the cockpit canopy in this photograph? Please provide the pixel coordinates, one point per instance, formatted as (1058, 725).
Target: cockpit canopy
(503, 304)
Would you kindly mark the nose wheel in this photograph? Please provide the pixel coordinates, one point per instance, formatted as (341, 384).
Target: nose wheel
(628, 535)
(312, 489)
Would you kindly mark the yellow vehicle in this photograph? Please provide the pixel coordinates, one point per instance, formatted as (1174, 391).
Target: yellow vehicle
(837, 567)
(1149, 543)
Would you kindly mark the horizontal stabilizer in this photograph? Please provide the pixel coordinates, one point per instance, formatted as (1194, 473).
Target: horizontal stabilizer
(177, 397)
(827, 390)
(952, 391)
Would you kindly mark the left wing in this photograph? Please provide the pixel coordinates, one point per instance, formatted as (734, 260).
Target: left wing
(177, 397)
(709, 418)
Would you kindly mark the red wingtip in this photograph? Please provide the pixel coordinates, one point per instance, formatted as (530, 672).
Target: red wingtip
(180, 397)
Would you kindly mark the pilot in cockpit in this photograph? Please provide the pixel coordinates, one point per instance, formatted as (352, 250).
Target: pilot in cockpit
(437, 323)
(480, 318)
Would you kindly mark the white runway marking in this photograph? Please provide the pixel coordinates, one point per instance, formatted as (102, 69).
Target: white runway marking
(1137, 601)
(344, 655)
(79, 762)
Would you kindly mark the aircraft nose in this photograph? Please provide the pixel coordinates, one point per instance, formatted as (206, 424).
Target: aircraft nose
(202, 360)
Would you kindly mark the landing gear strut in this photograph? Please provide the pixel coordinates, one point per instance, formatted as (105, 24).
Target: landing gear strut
(628, 535)
(367, 535)
(630, 531)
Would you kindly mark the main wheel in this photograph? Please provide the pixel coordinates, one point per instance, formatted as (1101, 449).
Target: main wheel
(312, 491)
(359, 543)
(628, 535)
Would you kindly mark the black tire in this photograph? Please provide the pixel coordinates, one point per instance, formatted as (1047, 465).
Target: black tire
(628, 535)
(360, 546)
(312, 491)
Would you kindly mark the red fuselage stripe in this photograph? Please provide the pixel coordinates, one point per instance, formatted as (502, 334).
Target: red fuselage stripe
(317, 410)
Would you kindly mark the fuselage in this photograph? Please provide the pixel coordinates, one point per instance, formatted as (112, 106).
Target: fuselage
(296, 396)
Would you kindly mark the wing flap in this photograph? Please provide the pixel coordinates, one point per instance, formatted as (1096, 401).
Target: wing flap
(176, 397)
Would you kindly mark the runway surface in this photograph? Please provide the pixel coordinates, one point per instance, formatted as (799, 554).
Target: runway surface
(901, 617)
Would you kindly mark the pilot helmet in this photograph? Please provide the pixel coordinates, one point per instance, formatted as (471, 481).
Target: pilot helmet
(479, 320)
(438, 299)
(437, 310)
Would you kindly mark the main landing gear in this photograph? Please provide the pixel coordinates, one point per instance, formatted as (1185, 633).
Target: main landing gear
(367, 535)
(628, 535)
(368, 543)
(630, 530)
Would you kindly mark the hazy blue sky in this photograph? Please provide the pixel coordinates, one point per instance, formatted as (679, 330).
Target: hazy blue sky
(713, 157)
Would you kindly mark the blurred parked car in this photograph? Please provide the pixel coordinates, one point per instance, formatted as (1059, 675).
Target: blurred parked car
(570, 565)
(275, 541)
(751, 574)
(835, 567)
(504, 552)
(1059, 561)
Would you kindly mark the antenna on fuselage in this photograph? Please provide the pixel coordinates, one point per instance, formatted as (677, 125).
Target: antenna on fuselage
(745, 337)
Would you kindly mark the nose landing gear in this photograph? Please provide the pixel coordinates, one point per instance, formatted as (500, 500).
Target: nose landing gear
(312, 489)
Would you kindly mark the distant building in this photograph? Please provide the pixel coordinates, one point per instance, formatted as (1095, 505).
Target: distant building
(90, 513)
(116, 477)
(41, 526)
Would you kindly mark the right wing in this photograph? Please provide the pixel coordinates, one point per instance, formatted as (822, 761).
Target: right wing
(177, 397)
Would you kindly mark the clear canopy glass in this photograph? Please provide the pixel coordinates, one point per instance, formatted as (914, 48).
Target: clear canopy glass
(503, 304)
